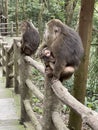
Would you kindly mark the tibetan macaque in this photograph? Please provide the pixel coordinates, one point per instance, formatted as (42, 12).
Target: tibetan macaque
(49, 62)
(30, 38)
(63, 45)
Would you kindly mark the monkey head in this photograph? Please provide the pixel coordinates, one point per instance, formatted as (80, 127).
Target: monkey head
(23, 26)
(53, 31)
(30, 38)
(26, 25)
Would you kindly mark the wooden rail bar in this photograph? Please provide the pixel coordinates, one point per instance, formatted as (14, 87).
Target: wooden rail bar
(87, 114)
(32, 116)
(6, 23)
(35, 64)
(59, 124)
(34, 90)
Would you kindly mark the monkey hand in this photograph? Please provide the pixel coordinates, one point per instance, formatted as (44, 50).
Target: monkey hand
(49, 72)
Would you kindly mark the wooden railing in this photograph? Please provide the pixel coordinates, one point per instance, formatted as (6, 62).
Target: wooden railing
(18, 75)
(8, 28)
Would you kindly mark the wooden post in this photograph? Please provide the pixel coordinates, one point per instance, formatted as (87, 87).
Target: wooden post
(24, 90)
(3, 58)
(3, 62)
(12, 28)
(16, 66)
(9, 70)
(51, 104)
(17, 17)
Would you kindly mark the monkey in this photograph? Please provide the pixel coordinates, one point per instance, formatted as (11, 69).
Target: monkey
(65, 47)
(30, 38)
(49, 62)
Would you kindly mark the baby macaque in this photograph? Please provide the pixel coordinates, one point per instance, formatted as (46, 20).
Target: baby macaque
(49, 62)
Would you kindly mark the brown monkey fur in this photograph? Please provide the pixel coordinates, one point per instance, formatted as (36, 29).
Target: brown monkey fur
(49, 62)
(65, 46)
(30, 38)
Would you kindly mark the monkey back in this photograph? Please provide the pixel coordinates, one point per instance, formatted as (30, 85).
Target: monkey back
(30, 41)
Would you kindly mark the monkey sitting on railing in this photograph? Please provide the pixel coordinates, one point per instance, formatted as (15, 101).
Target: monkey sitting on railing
(30, 38)
(62, 50)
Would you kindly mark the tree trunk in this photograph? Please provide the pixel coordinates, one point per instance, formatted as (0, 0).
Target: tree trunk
(69, 10)
(85, 31)
(40, 20)
(6, 14)
(16, 12)
(6, 9)
(97, 68)
(24, 13)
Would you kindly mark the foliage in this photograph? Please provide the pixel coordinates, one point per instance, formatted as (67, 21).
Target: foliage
(92, 84)
(36, 76)
(32, 10)
(37, 105)
(56, 10)
(69, 83)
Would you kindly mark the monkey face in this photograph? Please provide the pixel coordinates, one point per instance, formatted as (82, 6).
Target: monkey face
(51, 33)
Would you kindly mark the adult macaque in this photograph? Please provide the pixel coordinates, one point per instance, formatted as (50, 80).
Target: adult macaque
(30, 38)
(65, 48)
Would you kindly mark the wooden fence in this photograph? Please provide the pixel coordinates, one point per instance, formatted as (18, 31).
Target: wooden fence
(17, 69)
(8, 28)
